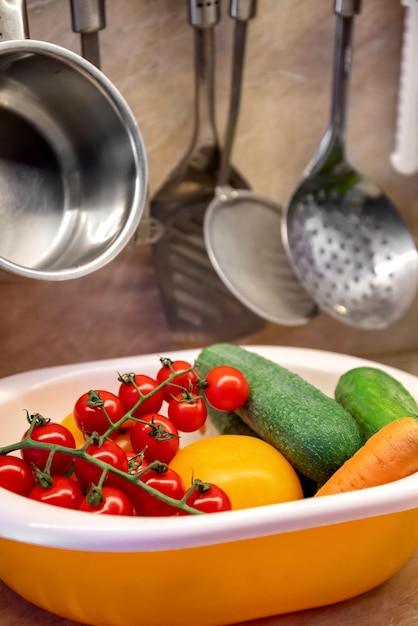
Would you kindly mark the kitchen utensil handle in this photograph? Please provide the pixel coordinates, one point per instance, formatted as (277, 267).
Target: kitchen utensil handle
(405, 156)
(204, 16)
(88, 18)
(242, 11)
(345, 11)
(14, 20)
(332, 148)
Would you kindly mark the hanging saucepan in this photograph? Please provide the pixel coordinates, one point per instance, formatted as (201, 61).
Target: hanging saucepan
(73, 168)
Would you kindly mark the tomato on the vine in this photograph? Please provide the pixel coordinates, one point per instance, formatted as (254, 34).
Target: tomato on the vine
(188, 412)
(109, 452)
(63, 492)
(113, 502)
(129, 396)
(167, 482)
(208, 498)
(16, 475)
(158, 438)
(184, 379)
(227, 388)
(91, 409)
(50, 432)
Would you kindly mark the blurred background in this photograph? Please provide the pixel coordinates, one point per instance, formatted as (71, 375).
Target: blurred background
(147, 51)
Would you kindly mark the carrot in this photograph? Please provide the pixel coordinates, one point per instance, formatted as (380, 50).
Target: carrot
(388, 455)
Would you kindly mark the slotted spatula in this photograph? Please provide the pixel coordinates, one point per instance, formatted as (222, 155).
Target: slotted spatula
(199, 308)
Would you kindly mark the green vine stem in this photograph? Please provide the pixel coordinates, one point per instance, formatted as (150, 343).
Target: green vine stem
(44, 476)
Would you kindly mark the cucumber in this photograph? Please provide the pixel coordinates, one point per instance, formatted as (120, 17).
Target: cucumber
(374, 398)
(315, 433)
(229, 423)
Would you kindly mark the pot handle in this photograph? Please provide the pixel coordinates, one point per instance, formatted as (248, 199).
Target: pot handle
(14, 22)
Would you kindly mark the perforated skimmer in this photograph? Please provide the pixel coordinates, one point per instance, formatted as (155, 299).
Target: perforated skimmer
(346, 241)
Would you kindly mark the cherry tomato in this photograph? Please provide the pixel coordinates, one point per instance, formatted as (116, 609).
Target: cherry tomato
(227, 388)
(114, 502)
(251, 471)
(109, 452)
(167, 482)
(63, 492)
(187, 380)
(209, 498)
(50, 432)
(158, 438)
(91, 408)
(187, 413)
(130, 396)
(16, 475)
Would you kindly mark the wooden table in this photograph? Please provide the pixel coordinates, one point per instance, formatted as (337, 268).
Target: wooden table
(395, 603)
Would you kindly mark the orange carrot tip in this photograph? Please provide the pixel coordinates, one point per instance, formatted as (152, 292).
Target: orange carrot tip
(388, 455)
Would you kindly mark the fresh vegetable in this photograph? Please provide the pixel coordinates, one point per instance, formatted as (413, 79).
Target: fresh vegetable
(53, 433)
(156, 436)
(208, 498)
(374, 398)
(281, 438)
(16, 475)
(109, 452)
(313, 431)
(95, 411)
(83, 454)
(249, 470)
(187, 412)
(165, 481)
(133, 387)
(388, 455)
(109, 501)
(226, 388)
(62, 491)
(229, 423)
(185, 377)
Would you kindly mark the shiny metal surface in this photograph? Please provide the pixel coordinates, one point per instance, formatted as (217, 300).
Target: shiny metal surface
(199, 308)
(204, 14)
(243, 9)
(88, 17)
(242, 229)
(345, 239)
(242, 235)
(73, 169)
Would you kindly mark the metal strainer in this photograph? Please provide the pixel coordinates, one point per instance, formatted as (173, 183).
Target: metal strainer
(242, 229)
(345, 239)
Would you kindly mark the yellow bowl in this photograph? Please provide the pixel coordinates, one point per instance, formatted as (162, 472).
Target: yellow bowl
(207, 570)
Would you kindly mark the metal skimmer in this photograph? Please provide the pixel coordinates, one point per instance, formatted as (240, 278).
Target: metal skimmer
(345, 239)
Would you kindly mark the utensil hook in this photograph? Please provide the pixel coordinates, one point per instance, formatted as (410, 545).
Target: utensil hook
(332, 149)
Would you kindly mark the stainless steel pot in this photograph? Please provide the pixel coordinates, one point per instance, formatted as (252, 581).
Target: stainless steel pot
(73, 167)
